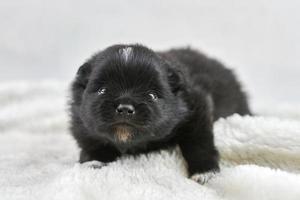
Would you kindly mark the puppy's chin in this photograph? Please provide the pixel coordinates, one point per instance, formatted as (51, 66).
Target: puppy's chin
(122, 133)
(129, 135)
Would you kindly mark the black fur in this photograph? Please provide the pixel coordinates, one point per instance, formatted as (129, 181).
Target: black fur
(192, 91)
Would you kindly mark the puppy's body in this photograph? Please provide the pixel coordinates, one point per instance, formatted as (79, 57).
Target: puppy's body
(207, 75)
(128, 99)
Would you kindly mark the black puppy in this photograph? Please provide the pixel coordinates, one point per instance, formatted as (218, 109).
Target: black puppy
(129, 99)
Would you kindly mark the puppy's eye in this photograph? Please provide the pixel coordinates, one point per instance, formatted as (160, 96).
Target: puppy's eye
(101, 91)
(153, 96)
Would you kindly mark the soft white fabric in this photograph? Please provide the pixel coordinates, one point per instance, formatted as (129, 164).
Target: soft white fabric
(260, 156)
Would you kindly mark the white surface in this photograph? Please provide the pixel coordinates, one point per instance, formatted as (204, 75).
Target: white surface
(38, 157)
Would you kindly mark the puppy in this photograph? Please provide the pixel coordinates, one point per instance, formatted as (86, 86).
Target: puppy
(128, 99)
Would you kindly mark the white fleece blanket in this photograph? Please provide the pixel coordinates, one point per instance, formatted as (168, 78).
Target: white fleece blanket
(38, 157)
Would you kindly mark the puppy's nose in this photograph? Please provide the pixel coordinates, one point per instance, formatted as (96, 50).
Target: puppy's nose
(125, 109)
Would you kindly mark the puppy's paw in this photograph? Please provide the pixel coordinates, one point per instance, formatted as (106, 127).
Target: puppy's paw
(204, 177)
(94, 164)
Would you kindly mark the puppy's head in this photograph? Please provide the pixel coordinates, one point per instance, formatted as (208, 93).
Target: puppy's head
(128, 95)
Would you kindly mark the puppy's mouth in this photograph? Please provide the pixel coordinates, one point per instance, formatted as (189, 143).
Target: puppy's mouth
(122, 123)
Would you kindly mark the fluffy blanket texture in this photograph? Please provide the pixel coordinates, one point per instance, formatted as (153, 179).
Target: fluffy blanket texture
(260, 156)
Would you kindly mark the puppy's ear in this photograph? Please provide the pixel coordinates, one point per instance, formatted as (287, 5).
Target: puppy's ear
(80, 82)
(176, 80)
(82, 76)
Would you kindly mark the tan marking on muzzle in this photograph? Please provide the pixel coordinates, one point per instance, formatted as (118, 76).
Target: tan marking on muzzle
(122, 133)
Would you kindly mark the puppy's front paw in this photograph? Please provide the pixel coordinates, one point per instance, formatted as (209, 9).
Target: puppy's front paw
(94, 164)
(204, 177)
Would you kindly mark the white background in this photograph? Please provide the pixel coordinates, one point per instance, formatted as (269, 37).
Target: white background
(259, 39)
